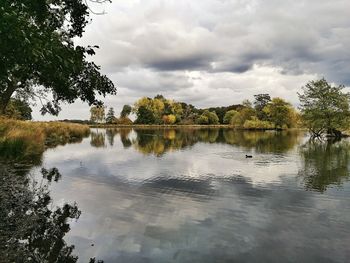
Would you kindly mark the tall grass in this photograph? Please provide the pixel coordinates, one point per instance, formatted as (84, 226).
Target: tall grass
(23, 140)
(61, 133)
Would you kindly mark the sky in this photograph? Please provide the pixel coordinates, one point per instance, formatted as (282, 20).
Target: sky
(215, 52)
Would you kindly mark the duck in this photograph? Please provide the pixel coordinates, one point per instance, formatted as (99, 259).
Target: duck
(248, 156)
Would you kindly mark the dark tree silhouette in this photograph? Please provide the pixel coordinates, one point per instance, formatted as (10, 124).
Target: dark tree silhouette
(38, 56)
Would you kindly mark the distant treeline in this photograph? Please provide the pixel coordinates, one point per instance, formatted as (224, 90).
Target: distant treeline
(87, 122)
(263, 113)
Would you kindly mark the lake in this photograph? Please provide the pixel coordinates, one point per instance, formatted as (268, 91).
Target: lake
(191, 195)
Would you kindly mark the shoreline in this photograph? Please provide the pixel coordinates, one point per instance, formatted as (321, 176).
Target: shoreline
(189, 126)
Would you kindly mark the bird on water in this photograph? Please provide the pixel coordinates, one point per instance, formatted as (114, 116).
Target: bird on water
(248, 156)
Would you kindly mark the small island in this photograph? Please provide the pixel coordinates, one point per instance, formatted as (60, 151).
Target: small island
(323, 110)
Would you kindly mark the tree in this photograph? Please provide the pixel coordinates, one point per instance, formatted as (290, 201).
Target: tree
(159, 96)
(213, 118)
(155, 106)
(247, 104)
(208, 117)
(229, 115)
(160, 106)
(97, 114)
(125, 111)
(279, 112)
(202, 120)
(18, 109)
(144, 116)
(221, 111)
(237, 120)
(246, 113)
(325, 108)
(261, 101)
(169, 119)
(124, 119)
(176, 109)
(189, 113)
(110, 118)
(39, 57)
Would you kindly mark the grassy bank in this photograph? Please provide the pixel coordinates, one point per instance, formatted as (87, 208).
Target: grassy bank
(23, 139)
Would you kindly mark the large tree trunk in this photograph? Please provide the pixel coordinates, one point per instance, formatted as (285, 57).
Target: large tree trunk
(2, 109)
(3, 105)
(6, 96)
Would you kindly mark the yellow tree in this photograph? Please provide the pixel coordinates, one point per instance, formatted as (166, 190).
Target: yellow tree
(157, 108)
(97, 114)
(143, 102)
(169, 119)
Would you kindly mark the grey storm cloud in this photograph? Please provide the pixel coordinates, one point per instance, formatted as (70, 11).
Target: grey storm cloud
(213, 35)
(184, 49)
(151, 81)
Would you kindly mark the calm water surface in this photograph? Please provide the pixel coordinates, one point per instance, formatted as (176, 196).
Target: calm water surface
(192, 196)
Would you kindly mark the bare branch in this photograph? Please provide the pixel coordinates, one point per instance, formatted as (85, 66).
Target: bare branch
(96, 2)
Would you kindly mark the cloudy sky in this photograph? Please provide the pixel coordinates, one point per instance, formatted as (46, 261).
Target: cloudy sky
(216, 52)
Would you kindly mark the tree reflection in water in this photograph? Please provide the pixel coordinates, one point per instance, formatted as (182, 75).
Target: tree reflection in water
(263, 142)
(97, 139)
(159, 141)
(325, 164)
(124, 136)
(30, 230)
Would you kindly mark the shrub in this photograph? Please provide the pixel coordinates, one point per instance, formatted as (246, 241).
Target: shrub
(145, 116)
(124, 121)
(256, 124)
